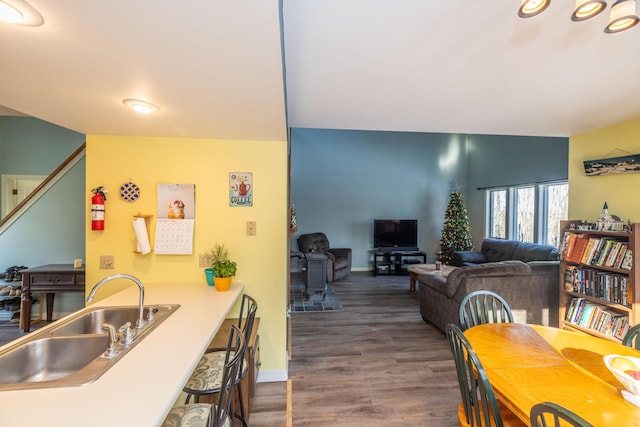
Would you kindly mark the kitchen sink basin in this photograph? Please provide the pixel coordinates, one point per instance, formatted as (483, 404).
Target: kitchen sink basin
(91, 321)
(73, 352)
(47, 360)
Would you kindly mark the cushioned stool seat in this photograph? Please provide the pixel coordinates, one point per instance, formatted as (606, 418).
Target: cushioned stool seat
(207, 375)
(197, 414)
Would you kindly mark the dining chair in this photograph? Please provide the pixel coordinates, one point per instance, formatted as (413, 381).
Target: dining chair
(205, 379)
(214, 415)
(478, 406)
(481, 307)
(630, 339)
(544, 412)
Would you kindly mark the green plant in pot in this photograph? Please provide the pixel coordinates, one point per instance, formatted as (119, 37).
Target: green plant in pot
(223, 268)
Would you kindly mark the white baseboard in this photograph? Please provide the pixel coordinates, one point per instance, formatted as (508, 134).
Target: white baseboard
(272, 376)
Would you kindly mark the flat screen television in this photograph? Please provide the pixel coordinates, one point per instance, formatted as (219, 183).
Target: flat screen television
(395, 234)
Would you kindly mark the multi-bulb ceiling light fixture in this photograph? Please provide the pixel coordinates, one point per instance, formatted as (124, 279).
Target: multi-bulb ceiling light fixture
(623, 12)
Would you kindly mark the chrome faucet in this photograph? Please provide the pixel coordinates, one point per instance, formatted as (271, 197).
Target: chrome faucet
(140, 321)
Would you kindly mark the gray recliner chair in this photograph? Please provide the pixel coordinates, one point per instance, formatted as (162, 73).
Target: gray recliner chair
(338, 259)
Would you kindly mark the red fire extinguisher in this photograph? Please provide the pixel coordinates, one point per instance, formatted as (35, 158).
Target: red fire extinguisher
(97, 208)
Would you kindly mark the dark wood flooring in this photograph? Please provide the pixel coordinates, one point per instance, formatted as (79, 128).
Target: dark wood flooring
(377, 363)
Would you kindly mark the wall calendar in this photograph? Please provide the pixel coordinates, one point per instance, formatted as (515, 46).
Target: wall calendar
(176, 218)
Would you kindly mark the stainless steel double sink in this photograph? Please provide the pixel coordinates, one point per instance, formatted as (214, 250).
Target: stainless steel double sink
(73, 351)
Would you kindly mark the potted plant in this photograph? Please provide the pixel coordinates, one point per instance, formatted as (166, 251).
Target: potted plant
(223, 268)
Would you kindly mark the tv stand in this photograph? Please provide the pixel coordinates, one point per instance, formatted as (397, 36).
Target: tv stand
(396, 262)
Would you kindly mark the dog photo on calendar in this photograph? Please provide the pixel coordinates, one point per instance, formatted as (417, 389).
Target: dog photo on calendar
(176, 210)
(176, 201)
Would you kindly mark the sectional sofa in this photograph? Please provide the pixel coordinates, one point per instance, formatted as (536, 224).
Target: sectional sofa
(525, 274)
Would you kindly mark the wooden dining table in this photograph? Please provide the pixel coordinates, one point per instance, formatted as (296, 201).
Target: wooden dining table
(527, 364)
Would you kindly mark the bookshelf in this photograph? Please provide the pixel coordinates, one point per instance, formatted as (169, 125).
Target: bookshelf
(599, 280)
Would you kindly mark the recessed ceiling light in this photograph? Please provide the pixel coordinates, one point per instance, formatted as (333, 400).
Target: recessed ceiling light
(586, 9)
(530, 8)
(623, 16)
(140, 106)
(19, 12)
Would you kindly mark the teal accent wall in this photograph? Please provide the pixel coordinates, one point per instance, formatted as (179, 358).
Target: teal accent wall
(510, 160)
(343, 179)
(30, 146)
(53, 229)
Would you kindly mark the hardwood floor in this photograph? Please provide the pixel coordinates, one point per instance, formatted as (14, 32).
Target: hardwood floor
(377, 363)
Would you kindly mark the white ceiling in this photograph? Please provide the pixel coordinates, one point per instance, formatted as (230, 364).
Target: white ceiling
(215, 67)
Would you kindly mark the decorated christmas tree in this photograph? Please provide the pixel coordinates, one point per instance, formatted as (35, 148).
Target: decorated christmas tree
(456, 235)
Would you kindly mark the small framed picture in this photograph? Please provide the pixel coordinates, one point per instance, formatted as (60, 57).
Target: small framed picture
(241, 189)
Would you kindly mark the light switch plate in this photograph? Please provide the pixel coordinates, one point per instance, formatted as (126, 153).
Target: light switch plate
(107, 262)
(251, 228)
(204, 260)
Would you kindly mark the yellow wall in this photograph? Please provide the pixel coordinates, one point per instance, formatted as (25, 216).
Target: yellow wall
(587, 194)
(147, 161)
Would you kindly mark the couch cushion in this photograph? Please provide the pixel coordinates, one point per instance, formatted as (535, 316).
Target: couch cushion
(313, 242)
(501, 268)
(341, 263)
(461, 258)
(532, 252)
(544, 267)
(432, 281)
(498, 249)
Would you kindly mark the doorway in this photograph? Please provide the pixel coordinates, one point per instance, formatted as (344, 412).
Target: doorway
(14, 188)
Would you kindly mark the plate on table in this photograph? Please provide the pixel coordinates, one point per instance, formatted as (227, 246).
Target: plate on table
(626, 369)
(631, 398)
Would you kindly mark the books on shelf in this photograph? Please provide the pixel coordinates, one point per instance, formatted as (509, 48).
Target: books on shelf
(588, 251)
(620, 255)
(610, 260)
(611, 287)
(572, 310)
(579, 245)
(627, 261)
(598, 280)
(603, 254)
(606, 252)
(568, 244)
(600, 318)
(569, 275)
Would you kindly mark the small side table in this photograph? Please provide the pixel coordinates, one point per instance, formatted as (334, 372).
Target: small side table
(48, 279)
(418, 269)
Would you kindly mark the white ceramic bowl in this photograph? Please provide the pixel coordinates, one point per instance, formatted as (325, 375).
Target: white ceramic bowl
(631, 384)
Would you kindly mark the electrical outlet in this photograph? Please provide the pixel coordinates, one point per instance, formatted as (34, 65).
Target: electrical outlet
(107, 261)
(251, 228)
(204, 260)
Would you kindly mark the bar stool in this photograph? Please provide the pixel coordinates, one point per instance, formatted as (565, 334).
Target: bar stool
(205, 379)
(208, 414)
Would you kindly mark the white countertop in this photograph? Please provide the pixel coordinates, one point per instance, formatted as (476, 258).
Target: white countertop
(140, 388)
